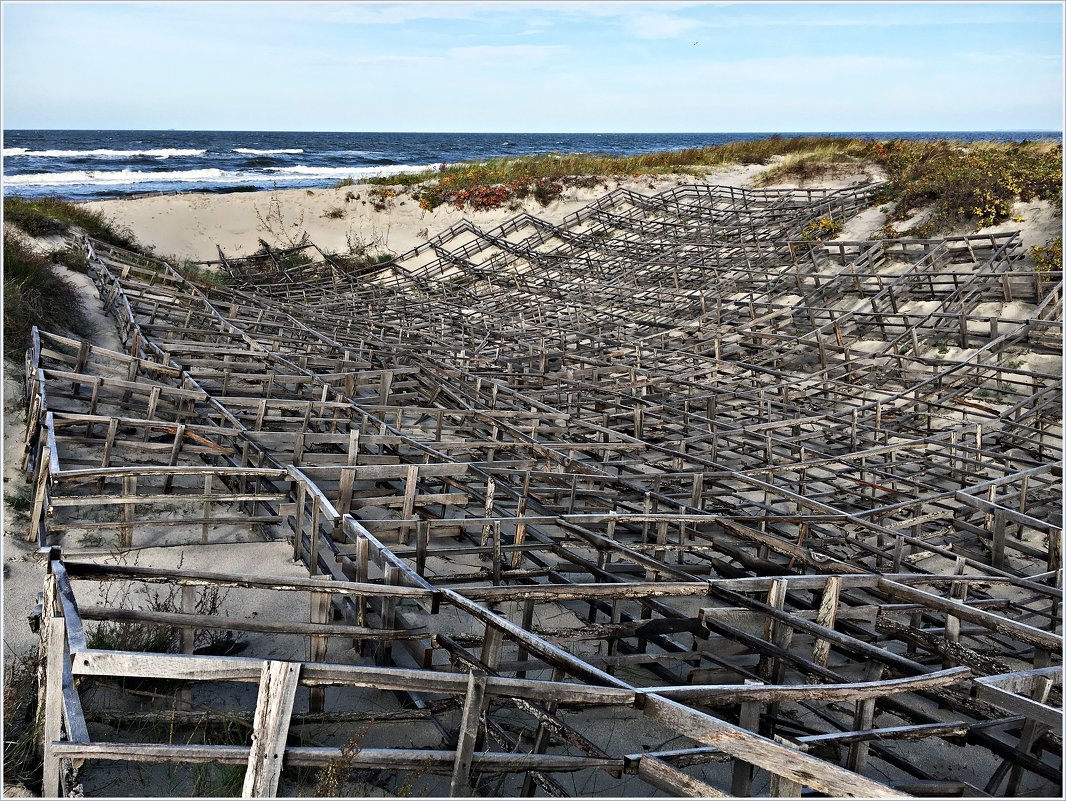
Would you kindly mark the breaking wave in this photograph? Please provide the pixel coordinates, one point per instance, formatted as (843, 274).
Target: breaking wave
(115, 178)
(162, 153)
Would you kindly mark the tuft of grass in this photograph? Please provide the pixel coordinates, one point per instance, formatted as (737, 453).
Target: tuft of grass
(157, 638)
(819, 162)
(50, 216)
(19, 502)
(381, 198)
(335, 775)
(90, 540)
(358, 261)
(192, 271)
(71, 257)
(23, 759)
(334, 213)
(343, 182)
(287, 258)
(35, 295)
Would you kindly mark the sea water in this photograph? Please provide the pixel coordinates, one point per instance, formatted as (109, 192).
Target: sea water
(78, 165)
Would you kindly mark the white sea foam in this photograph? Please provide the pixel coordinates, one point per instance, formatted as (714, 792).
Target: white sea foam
(116, 178)
(111, 177)
(252, 152)
(329, 172)
(103, 152)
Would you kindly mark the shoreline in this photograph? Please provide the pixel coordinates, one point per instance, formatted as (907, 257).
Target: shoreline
(301, 169)
(274, 556)
(190, 226)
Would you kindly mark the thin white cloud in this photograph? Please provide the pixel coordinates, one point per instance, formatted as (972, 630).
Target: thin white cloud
(506, 53)
(659, 26)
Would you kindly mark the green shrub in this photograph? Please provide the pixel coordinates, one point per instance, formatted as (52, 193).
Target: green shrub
(971, 182)
(381, 198)
(1048, 257)
(35, 295)
(822, 228)
(50, 216)
(978, 182)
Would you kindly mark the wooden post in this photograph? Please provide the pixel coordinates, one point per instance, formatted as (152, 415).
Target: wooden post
(53, 702)
(298, 521)
(206, 527)
(273, 710)
(750, 712)
(780, 787)
(320, 612)
(421, 546)
(409, 491)
(863, 720)
(39, 495)
(999, 537)
(129, 490)
(468, 729)
(827, 612)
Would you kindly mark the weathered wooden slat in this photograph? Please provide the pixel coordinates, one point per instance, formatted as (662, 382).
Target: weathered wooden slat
(671, 780)
(304, 756)
(798, 767)
(718, 695)
(277, 693)
(181, 619)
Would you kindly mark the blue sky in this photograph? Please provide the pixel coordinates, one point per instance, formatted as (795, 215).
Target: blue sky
(536, 66)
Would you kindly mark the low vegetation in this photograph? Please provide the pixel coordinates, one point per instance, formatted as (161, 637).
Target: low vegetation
(973, 184)
(51, 216)
(1048, 257)
(287, 258)
(71, 257)
(34, 294)
(822, 228)
(23, 758)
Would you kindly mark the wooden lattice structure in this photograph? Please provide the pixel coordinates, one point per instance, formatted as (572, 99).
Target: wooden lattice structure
(666, 472)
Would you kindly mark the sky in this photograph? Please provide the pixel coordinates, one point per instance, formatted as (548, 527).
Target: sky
(534, 66)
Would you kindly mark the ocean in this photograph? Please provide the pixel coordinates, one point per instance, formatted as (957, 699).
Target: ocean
(81, 165)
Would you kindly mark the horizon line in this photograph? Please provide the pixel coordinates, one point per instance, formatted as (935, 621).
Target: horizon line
(544, 133)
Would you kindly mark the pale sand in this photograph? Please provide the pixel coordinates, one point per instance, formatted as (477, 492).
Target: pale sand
(191, 225)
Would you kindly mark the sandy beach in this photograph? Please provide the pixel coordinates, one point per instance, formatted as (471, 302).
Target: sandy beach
(192, 227)
(532, 400)
(189, 226)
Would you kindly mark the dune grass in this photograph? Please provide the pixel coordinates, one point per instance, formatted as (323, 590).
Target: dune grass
(51, 216)
(973, 183)
(529, 171)
(815, 162)
(35, 295)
